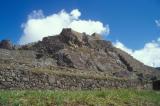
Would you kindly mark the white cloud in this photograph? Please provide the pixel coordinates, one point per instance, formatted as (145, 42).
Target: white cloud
(38, 25)
(75, 13)
(149, 54)
(157, 22)
(36, 14)
(120, 45)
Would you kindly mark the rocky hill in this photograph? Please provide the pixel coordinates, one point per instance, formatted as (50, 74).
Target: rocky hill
(71, 60)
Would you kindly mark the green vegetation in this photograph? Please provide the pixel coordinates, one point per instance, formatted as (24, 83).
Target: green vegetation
(62, 71)
(110, 97)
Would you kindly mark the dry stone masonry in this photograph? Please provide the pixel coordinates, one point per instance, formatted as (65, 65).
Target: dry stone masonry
(26, 79)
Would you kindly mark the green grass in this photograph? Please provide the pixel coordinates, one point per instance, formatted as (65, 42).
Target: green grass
(63, 71)
(110, 97)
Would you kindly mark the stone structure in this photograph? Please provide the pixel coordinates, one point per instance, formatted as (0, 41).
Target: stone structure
(26, 79)
(84, 54)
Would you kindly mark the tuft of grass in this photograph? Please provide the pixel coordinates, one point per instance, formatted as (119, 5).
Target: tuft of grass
(108, 97)
(62, 71)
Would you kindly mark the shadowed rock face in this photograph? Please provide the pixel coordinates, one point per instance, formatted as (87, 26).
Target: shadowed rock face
(156, 85)
(6, 44)
(81, 51)
(158, 68)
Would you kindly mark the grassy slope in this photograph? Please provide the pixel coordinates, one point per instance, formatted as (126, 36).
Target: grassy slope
(111, 97)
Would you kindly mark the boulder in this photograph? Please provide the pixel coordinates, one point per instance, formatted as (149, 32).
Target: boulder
(71, 37)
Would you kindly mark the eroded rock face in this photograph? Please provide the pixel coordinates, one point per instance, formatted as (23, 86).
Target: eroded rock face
(71, 37)
(81, 51)
(90, 52)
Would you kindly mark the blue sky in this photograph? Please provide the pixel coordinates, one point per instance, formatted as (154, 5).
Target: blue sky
(130, 21)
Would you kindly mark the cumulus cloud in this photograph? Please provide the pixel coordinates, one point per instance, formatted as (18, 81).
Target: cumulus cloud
(149, 54)
(38, 25)
(120, 45)
(36, 14)
(75, 13)
(157, 22)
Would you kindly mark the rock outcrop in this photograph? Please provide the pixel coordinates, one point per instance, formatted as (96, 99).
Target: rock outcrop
(6, 44)
(82, 53)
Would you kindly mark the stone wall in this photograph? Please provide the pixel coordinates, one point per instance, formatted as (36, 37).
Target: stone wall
(25, 79)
